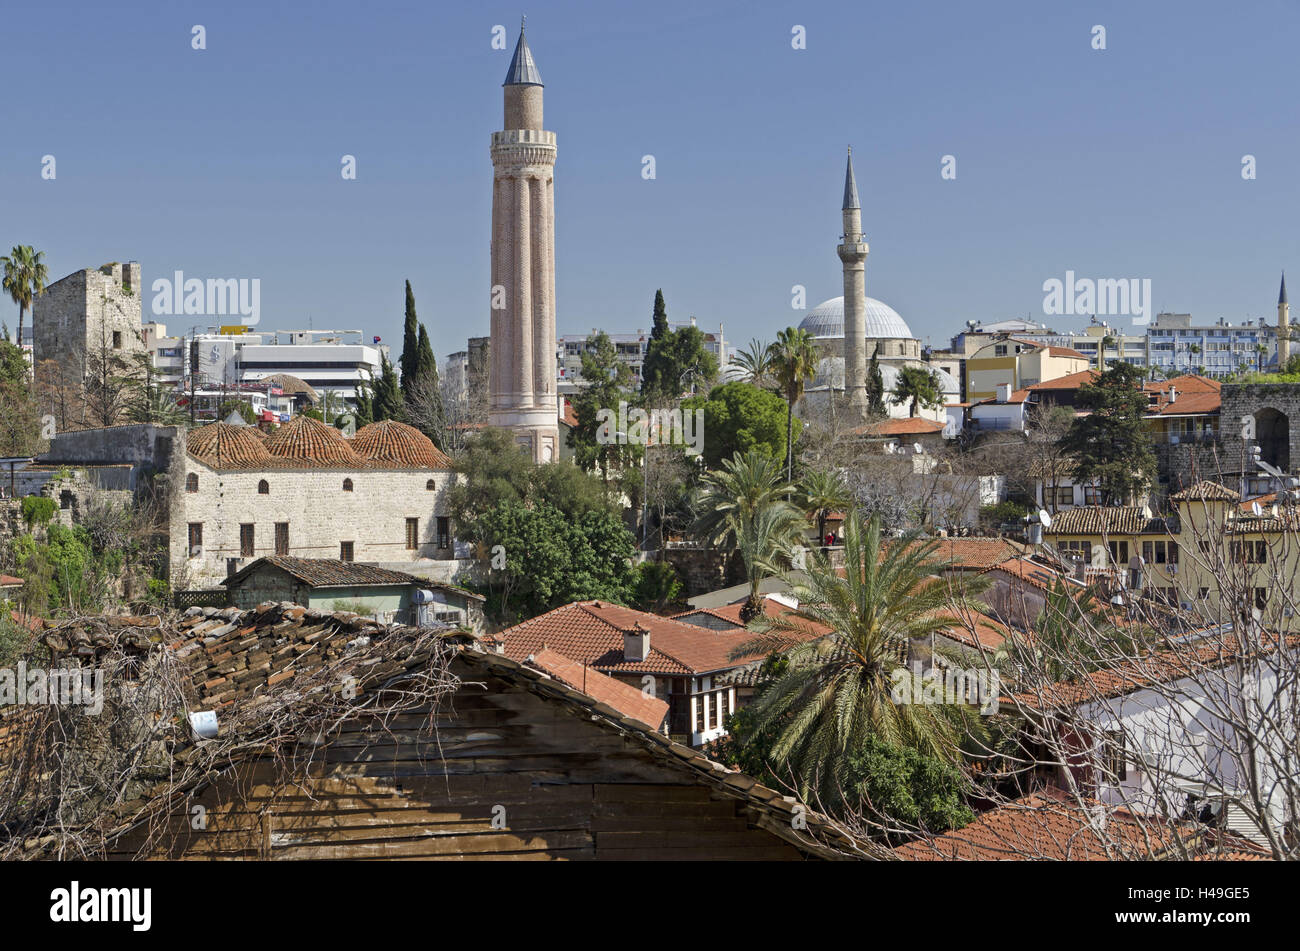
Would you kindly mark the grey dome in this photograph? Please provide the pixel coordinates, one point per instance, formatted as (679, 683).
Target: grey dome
(827, 320)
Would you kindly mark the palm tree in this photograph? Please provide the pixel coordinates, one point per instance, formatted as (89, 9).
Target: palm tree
(744, 504)
(836, 691)
(1106, 341)
(794, 362)
(823, 491)
(25, 275)
(754, 362)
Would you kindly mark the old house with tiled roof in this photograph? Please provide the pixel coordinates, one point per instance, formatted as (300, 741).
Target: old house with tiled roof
(306, 491)
(333, 737)
(381, 593)
(679, 662)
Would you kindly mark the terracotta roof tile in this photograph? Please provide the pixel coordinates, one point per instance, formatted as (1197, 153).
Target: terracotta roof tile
(1105, 519)
(1206, 491)
(1047, 825)
(9, 581)
(309, 441)
(223, 446)
(591, 632)
(624, 698)
(914, 426)
(329, 572)
(389, 441)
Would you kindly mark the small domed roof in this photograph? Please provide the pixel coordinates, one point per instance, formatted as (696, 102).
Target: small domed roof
(292, 385)
(224, 446)
(307, 440)
(398, 444)
(827, 320)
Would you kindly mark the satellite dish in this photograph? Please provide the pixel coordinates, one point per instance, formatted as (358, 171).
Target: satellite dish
(1044, 519)
(1255, 508)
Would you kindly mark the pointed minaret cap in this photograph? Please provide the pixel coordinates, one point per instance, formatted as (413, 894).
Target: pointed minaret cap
(850, 186)
(522, 71)
(1281, 295)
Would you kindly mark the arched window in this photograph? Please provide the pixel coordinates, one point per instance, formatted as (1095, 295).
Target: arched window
(263, 488)
(192, 482)
(347, 485)
(429, 485)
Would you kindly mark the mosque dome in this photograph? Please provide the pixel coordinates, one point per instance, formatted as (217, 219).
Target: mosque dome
(826, 320)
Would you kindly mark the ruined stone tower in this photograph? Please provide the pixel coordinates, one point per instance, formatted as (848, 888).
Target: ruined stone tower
(853, 255)
(522, 371)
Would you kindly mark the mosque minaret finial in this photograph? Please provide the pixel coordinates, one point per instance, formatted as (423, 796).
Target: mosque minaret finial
(853, 256)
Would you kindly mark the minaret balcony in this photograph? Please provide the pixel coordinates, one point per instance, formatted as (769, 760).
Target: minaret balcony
(523, 137)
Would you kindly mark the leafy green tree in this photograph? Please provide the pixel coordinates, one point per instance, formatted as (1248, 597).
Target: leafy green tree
(20, 422)
(657, 586)
(550, 560)
(837, 691)
(740, 417)
(875, 388)
(13, 368)
(893, 786)
(674, 357)
(920, 386)
(794, 362)
(24, 279)
(606, 383)
(1110, 442)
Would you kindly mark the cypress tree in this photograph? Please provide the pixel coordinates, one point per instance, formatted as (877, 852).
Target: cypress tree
(653, 366)
(386, 403)
(410, 359)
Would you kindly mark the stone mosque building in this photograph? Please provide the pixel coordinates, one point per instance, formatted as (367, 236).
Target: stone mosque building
(880, 330)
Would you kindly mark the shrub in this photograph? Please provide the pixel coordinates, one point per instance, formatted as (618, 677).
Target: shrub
(37, 510)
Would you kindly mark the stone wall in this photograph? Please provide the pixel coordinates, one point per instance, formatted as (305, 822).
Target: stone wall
(320, 515)
(1254, 399)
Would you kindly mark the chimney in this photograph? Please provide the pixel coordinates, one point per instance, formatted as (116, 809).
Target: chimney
(636, 643)
(1004, 392)
(1173, 394)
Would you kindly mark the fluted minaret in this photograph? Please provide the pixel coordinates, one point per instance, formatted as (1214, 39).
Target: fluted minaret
(1283, 327)
(853, 255)
(522, 371)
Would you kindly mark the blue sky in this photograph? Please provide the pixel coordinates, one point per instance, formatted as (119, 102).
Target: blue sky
(225, 162)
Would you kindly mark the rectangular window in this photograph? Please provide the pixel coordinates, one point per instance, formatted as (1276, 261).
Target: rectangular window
(412, 534)
(117, 340)
(699, 712)
(345, 551)
(1119, 553)
(1092, 495)
(1116, 761)
(1065, 495)
(1000, 350)
(246, 540)
(196, 539)
(282, 538)
(444, 532)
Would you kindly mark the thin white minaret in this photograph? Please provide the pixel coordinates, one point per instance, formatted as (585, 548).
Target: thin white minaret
(1283, 328)
(853, 255)
(522, 371)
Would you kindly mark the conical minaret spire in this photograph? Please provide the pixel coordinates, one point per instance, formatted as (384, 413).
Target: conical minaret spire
(853, 257)
(522, 71)
(1283, 327)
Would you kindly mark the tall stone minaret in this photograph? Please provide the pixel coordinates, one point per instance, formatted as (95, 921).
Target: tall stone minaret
(853, 255)
(522, 371)
(1283, 327)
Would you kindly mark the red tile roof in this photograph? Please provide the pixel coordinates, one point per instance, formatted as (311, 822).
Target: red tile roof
(1207, 491)
(914, 426)
(771, 608)
(1107, 520)
(1048, 825)
(624, 698)
(1038, 575)
(974, 553)
(591, 632)
(974, 629)
(397, 444)
(1065, 352)
(307, 440)
(223, 446)
(9, 581)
